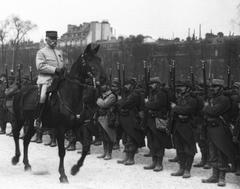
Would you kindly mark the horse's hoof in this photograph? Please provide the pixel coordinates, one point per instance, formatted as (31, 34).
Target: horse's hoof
(27, 168)
(63, 179)
(74, 170)
(15, 160)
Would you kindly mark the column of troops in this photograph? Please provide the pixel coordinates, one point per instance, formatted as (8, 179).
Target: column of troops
(179, 115)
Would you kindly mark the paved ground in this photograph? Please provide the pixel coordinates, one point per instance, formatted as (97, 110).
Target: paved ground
(95, 174)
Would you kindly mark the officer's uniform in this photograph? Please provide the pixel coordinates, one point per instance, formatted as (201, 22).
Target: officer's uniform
(47, 60)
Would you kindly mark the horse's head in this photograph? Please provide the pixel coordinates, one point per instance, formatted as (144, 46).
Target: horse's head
(88, 65)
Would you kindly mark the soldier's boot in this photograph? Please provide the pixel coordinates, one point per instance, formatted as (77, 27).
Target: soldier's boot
(126, 156)
(2, 132)
(72, 146)
(39, 137)
(104, 151)
(234, 167)
(130, 160)
(54, 141)
(207, 165)
(221, 180)
(149, 154)
(3, 129)
(213, 178)
(109, 152)
(175, 159)
(180, 171)
(238, 169)
(152, 165)
(159, 166)
(188, 166)
(116, 146)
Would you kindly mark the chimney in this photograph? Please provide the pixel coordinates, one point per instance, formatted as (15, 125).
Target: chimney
(200, 31)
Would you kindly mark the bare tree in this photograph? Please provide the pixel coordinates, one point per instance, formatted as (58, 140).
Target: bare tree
(4, 27)
(19, 29)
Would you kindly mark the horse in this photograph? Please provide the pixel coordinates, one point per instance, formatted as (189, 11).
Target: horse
(62, 109)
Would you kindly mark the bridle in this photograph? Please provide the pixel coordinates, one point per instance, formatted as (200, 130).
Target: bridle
(77, 81)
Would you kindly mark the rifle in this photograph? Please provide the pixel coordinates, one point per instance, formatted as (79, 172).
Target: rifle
(110, 75)
(148, 72)
(170, 76)
(173, 79)
(204, 80)
(6, 72)
(19, 76)
(123, 74)
(146, 78)
(119, 77)
(192, 78)
(228, 77)
(30, 72)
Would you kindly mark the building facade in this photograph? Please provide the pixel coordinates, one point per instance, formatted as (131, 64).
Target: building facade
(86, 33)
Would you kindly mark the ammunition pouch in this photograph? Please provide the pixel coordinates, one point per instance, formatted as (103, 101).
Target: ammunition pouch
(212, 122)
(161, 124)
(102, 112)
(183, 118)
(124, 112)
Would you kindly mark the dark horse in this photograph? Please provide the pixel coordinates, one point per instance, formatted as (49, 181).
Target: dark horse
(62, 109)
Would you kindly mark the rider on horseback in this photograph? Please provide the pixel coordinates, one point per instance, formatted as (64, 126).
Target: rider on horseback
(49, 62)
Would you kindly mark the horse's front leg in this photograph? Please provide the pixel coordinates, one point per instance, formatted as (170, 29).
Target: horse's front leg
(27, 138)
(16, 127)
(61, 152)
(86, 143)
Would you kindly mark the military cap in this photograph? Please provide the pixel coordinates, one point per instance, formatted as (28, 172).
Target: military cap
(52, 34)
(115, 83)
(236, 84)
(3, 75)
(217, 82)
(131, 81)
(179, 84)
(154, 80)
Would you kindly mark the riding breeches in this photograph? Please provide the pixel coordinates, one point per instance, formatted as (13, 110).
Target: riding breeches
(43, 92)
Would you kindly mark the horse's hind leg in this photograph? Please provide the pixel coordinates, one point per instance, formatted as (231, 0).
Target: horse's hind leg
(29, 133)
(61, 152)
(16, 127)
(85, 149)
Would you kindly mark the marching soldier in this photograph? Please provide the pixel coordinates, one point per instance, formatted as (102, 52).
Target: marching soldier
(236, 130)
(200, 137)
(157, 107)
(116, 89)
(182, 129)
(107, 120)
(221, 146)
(3, 109)
(129, 108)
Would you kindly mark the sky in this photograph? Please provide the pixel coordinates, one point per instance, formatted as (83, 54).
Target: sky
(156, 18)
